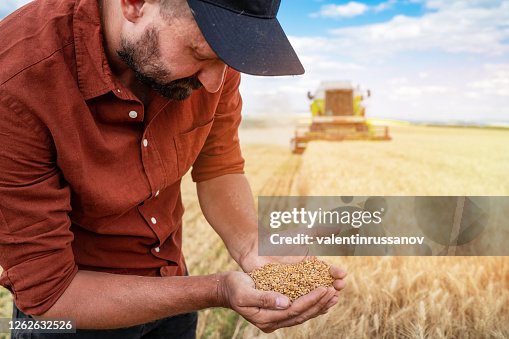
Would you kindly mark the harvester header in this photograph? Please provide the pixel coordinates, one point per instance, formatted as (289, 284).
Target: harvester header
(338, 114)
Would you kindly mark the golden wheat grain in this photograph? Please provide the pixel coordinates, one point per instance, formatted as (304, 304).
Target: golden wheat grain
(293, 280)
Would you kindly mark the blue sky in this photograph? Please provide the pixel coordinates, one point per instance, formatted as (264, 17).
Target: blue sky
(302, 17)
(424, 60)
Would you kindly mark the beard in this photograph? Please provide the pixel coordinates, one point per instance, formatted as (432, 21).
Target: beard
(143, 57)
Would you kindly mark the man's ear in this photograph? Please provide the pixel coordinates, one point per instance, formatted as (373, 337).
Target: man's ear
(132, 9)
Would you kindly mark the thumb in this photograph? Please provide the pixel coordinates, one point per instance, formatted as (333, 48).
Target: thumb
(269, 300)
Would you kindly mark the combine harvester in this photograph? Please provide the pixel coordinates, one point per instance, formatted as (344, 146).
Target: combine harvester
(337, 115)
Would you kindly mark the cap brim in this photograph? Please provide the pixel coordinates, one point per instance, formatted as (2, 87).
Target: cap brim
(248, 44)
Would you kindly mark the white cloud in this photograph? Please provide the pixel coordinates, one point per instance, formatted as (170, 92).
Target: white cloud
(398, 81)
(321, 63)
(405, 93)
(496, 81)
(349, 10)
(384, 6)
(423, 75)
(448, 64)
(354, 8)
(455, 27)
(461, 4)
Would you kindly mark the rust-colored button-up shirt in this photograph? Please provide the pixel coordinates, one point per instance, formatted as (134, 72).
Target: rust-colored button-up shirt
(89, 176)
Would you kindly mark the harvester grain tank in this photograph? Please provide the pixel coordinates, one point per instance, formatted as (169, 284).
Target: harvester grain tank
(338, 114)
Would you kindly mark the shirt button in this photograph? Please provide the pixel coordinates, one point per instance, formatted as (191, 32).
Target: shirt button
(157, 193)
(133, 114)
(153, 220)
(157, 249)
(145, 142)
(118, 90)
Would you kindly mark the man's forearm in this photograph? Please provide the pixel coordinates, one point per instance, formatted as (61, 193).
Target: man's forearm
(101, 301)
(227, 203)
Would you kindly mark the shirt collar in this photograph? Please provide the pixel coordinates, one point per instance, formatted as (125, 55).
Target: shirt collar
(94, 74)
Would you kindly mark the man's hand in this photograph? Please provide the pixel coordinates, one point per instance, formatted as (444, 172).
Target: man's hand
(227, 203)
(270, 311)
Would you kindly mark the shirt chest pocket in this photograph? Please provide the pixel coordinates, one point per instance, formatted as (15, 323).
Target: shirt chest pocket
(189, 145)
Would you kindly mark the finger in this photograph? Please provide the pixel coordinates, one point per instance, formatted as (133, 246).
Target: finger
(332, 302)
(265, 300)
(312, 312)
(298, 307)
(310, 300)
(339, 284)
(317, 307)
(337, 273)
(330, 295)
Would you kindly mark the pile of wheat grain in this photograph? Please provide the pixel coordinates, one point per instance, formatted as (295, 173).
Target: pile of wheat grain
(293, 280)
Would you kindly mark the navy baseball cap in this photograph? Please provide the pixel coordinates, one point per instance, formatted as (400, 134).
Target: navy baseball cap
(246, 35)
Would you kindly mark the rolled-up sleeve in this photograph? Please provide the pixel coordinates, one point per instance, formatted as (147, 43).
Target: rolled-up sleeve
(221, 153)
(35, 239)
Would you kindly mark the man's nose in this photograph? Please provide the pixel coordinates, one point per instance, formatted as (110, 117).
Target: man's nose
(211, 76)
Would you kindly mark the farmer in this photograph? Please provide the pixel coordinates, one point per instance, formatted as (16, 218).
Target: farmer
(104, 106)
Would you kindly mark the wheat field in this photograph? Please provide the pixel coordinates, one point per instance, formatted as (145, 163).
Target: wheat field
(418, 161)
(385, 297)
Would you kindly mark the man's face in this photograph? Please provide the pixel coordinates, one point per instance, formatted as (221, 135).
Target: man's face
(173, 59)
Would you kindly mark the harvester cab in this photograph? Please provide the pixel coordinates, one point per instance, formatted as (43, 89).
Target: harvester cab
(337, 113)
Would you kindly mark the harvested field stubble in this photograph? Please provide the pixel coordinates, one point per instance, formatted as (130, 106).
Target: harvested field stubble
(293, 280)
